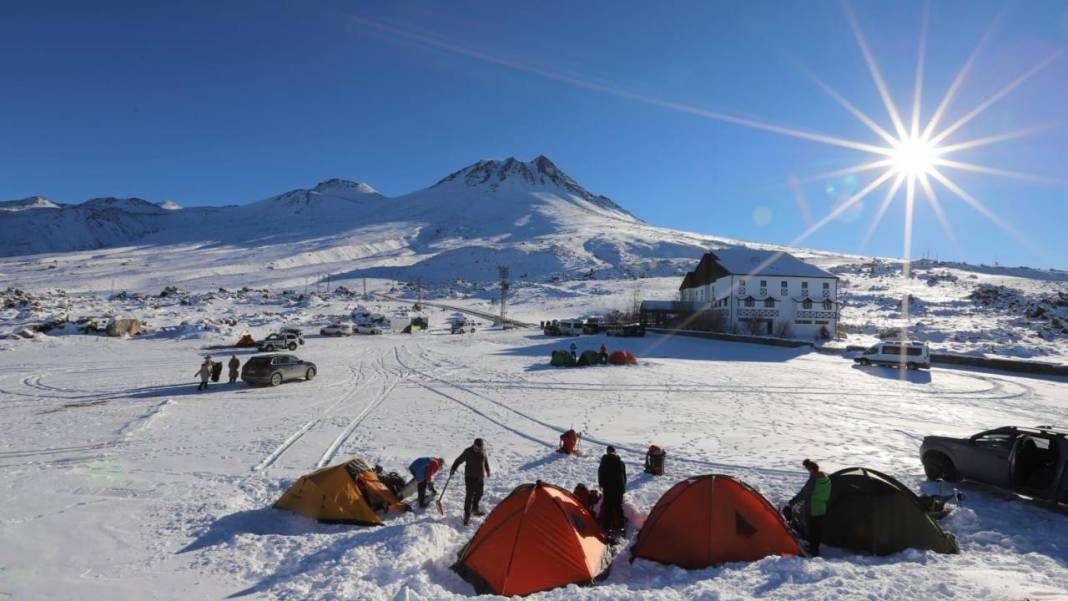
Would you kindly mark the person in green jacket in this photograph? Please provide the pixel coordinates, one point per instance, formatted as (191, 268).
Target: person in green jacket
(819, 492)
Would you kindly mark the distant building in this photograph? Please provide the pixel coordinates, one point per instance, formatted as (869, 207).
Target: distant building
(750, 291)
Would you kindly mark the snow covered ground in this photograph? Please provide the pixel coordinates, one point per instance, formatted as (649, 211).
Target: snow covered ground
(120, 481)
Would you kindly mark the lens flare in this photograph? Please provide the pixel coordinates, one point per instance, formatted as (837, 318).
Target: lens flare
(913, 156)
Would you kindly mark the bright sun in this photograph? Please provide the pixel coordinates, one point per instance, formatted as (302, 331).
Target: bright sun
(913, 156)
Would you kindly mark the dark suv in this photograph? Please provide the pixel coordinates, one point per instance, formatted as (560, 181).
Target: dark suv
(275, 369)
(1029, 461)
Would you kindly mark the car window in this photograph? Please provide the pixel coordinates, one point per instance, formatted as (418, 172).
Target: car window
(915, 351)
(891, 350)
(995, 440)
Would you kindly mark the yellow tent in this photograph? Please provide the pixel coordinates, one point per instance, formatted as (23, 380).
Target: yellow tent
(348, 493)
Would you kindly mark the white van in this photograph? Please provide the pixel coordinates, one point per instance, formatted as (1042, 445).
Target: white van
(572, 327)
(912, 355)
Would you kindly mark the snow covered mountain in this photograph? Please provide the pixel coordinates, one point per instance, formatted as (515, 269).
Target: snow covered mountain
(33, 202)
(530, 215)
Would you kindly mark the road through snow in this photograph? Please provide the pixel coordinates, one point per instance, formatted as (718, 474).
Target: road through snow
(122, 482)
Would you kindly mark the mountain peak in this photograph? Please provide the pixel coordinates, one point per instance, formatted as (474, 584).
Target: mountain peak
(336, 184)
(30, 202)
(494, 175)
(130, 205)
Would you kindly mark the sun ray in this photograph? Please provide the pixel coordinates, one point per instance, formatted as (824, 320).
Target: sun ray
(883, 206)
(1012, 135)
(982, 210)
(958, 80)
(799, 198)
(853, 110)
(847, 171)
(940, 214)
(917, 93)
(1027, 177)
(620, 92)
(876, 75)
(1005, 91)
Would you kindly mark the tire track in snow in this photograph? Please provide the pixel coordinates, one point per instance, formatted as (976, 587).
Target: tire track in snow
(387, 389)
(276, 454)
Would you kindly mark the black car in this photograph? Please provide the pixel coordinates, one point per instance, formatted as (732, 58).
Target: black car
(275, 369)
(1029, 461)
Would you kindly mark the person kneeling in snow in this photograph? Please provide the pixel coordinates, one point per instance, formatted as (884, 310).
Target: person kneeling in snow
(423, 470)
(568, 442)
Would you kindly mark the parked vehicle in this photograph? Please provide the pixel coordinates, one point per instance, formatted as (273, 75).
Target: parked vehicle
(625, 330)
(278, 342)
(461, 324)
(572, 327)
(368, 328)
(912, 355)
(337, 329)
(275, 369)
(1029, 461)
(593, 325)
(552, 328)
(294, 331)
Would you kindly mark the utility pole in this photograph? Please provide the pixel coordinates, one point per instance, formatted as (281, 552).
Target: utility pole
(419, 294)
(364, 288)
(502, 271)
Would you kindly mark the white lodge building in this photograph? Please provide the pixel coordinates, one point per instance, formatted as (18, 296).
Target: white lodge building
(763, 292)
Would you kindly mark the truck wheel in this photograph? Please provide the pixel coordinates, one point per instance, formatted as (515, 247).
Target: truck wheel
(911, 365)
(865, 363)
(310, 374)
(292, 346)
(276, 379)
(938, 466)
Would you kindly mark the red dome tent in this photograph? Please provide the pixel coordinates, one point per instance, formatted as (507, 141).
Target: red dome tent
(538, 538)
(709, 520)
(622, 358)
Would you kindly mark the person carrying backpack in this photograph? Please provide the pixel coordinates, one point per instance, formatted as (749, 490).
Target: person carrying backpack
(204, 373)
(813, 497)
(216, 371)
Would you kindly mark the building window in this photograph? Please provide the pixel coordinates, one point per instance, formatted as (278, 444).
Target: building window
(821, 322)
(827, 305)
(826, 290)
(806, 304)
(783, 288)
(769, 303)
(803, 321)
(763, 283)
(749, 302)
(804, 288)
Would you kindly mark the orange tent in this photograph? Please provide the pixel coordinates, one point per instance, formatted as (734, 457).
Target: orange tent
(622, 358)
(348, 493)
(709, 520)
(538, 538)
(246, 341)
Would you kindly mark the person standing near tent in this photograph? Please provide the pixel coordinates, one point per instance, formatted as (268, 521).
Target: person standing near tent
(574, 348)
(612, 478)
(604, 354)
(234, 364)
(813, 498)
(204, 372)
(216, 371)
(476, 469)
(423, 470)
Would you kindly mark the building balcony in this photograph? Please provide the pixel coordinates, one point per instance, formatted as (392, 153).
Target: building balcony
(813, 314)
(758, 313)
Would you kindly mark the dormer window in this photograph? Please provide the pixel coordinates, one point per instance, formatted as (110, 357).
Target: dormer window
(806, 304)
(769, 303)
(827, 305)
(749, 302)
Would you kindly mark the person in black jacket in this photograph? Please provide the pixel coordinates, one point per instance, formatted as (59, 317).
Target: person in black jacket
(612, 478)
(476, 469)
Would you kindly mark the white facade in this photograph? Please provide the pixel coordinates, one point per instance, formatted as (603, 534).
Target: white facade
(769, 304)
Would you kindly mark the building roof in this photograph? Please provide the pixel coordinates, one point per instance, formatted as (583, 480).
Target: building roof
(740, 260)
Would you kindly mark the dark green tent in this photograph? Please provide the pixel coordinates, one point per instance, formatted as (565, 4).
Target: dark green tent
(870, 512)
(589, 358)
(561, 359)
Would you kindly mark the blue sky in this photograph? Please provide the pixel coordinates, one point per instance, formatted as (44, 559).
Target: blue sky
(220, 103)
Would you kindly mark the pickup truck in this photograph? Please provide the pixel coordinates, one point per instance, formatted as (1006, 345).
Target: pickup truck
(1028, 461)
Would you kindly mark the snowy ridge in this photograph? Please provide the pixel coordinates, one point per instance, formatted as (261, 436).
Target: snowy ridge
(32, 202)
